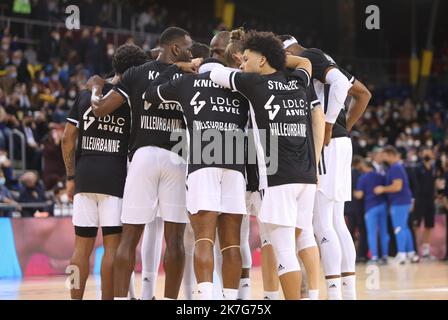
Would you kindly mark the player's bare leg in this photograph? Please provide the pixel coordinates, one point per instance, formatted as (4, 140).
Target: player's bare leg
(174, 259)
(80, 258)
(125, 258)
(204, 228)
(110, 243)
(229, 229)
(310, 258)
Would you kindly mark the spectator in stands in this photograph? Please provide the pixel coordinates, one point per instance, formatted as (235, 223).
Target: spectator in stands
(6, 197)
(23, 75)
(53, 163)
(424, 195)
(33, 148)
(32, 191)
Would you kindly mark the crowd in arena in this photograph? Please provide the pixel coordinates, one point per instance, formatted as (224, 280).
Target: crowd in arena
(39, 85)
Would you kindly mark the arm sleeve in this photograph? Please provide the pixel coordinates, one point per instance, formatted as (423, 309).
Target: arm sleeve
(339, 86)
(73, 115)
(234, 80)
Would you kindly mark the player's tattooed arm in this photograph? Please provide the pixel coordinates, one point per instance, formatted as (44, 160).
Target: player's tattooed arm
(68, 152)
(103, 105)
(361, 97)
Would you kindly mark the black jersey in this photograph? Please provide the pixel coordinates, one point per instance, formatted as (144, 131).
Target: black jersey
(216, 118)
(279, 111)
(321, 62)
(151, 126)
(101, 155)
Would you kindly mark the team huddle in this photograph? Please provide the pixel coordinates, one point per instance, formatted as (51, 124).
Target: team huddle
(187, 146)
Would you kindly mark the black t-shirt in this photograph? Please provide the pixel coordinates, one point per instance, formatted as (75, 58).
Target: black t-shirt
(280, 111)
(101, 155)
(216, 118)
(151, 125)
(424, 186)
(320, 62)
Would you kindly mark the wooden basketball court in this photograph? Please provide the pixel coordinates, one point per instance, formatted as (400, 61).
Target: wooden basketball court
(426, 280)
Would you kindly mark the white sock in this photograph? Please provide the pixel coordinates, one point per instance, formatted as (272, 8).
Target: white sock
(334, 289)
(149, 282)
(131, 292)
(349, 288)
(244, 289)
(188, 291)
(313, 294)
(425, 249)
(205, 291)
(271, 295)
(230, 294)
(121, 298)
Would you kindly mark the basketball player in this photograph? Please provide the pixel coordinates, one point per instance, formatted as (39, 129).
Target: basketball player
(151, 188)
(215, 191)
(335, 242)
(101, 153)
(278, 104)
(218, 45)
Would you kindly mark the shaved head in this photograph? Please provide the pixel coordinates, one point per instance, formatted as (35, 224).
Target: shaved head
(219, 44)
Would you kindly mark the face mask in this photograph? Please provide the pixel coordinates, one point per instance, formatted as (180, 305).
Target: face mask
(410, 142)
(363, 143)
(55, 78)
(429, 143)
(64, 198)
(396, 115)
(414, 158)
(34, 90)
(110, 52)
(368, 115)
(5, 47)
(415, 130)
(399, 143)
(408, 131)
(13, 75)
(417, 143)
(16, 61)
(2, 181)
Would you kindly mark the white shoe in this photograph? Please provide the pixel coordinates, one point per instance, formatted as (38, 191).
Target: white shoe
(400, 258)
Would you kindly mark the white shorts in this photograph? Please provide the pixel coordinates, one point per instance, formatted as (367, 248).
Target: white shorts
(253, 202)
(288, 205)
(96, 210)
(336, 183)
(155, 182)
(216, 189)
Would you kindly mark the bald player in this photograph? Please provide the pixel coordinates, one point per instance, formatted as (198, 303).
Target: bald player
(218, 45)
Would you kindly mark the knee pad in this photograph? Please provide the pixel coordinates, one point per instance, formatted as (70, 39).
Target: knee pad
(86, 232)
(264, 238)
(306, 240)
(284, 245)
(246, 255)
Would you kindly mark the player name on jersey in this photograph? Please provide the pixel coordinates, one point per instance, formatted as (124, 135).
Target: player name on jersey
(218, 125)
(100, 144)
(161, 124)
(288, 129)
